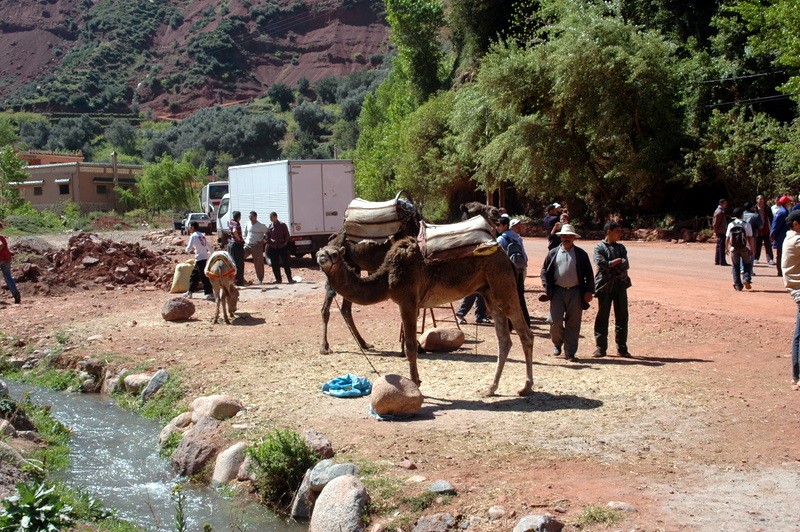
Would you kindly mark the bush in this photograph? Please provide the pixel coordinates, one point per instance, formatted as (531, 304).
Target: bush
(35, 507)
(280, 461)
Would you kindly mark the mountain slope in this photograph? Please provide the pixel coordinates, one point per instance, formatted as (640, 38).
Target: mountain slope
(176, 56)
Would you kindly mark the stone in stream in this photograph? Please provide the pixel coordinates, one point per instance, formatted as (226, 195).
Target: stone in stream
(340, 506)
(228, 463)
(156, 382)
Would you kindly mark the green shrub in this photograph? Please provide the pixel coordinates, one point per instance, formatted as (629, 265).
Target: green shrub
(280, 460)
(35, 507)
(593, 514)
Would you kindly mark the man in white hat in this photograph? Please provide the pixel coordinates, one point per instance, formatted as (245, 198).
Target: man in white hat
(568, 281)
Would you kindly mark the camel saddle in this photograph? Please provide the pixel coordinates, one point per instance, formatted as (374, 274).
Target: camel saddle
(376, 220)
(450, 241)
(228, 269)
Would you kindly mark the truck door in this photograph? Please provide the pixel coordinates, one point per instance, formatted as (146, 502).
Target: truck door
(337, 193)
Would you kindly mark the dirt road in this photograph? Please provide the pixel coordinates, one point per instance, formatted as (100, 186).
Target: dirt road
(698, 431)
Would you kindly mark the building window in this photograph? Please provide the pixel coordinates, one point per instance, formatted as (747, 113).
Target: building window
(102, 189)
(63, 189)
(37, 191)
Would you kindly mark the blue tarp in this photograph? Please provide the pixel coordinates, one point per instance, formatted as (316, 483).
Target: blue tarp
(347, 386)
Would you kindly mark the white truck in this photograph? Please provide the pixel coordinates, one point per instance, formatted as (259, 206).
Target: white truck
(310, 197)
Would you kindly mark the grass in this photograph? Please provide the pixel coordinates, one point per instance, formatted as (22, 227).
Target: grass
(164, 405)
(594, 514)
(55, 455)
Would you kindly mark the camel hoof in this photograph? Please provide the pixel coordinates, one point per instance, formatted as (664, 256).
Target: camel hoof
(527, 390)
(325, 351)
(489, 392)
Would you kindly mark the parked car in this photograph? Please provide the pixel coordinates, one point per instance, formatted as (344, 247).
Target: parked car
(199, 217)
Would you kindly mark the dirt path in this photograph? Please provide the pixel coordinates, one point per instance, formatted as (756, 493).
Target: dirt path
(698, 431)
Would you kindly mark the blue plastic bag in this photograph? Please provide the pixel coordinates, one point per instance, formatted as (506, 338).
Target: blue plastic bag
(347, 386)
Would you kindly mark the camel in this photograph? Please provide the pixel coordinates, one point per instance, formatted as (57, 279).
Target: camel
(221, 271)
(368, 256)
(405, 278)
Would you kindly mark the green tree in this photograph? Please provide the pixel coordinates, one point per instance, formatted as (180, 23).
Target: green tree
(415, 32)
(122, 135)
(8, 132)
(166, 185)
(281, 94)
(12, 170)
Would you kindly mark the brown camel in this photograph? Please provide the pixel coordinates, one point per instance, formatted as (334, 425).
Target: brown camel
(368, 256)
(406, 279)
(221, 271)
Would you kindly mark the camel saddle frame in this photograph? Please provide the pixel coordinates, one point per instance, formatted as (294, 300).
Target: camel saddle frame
(451, 241)
(376, 220)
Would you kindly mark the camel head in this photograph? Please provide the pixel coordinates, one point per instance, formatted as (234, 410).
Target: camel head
(328, 257)
(475, 208)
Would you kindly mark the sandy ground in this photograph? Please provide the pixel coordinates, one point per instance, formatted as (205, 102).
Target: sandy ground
(698, 431)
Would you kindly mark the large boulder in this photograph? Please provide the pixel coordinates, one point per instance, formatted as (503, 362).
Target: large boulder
(395, 395)
(197, 448)
(179, 424)
(112, 383)
(439, 522)
(303, 501)
(441, 339)
(177, 308)
(156, 382)
(340, 506)
(220, 407)
(538, 523)
(228, 463)
(136, 382)
(318, 443)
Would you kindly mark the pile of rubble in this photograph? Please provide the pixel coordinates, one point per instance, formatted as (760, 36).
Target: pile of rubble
(88, 262)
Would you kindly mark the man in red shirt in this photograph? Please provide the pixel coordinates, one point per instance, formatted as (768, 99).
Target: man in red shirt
(5, 266)
(278, 248)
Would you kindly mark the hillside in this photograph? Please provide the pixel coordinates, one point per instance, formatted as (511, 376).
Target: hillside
(176, 56)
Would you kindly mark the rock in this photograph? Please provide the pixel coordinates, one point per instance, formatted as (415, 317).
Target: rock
(113, 383)
(408, 464)
(318, 443)
(303, 502)
(442, 487)
(179, 423)
(622, 506)
(220, 406)
(496, 512)
(7, 429)
(95, 338)
(441, 339)
(396, 395)
(319, 474)
(340, 470)
(30, 435)
(440, 522)
(90, 386)
(244, 471)
(228, 463)
(197, 448)
(156, 382)
(538, 523)
(11, 455)
(177, 308)
(3, 389)
(93, 367)
(89, 261)
(135, 383)
(340, 506)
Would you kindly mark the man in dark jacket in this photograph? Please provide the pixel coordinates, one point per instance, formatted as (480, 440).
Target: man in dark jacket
(278, 248)
(720, 223)
(762, 236)
(550, 221)
(568, 281)
(611, 286)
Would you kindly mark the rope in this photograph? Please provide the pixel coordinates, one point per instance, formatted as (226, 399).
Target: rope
(353, 334)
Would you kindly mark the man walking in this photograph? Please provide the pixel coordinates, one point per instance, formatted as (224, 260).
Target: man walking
(790, 263)
(5, 267)
(278, 248)
(611, 285)
(719, 224)
(568, 281)
(199, 245)
(236, 246)
(778, 231)
(739, 243)
(255, 234)
(762, 235)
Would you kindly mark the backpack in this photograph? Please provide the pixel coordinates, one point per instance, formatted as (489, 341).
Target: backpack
(738, 237)
(514, 251)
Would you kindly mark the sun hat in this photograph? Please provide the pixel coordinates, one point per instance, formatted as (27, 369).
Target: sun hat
(567, 229)
(514, 222)
(505, 219)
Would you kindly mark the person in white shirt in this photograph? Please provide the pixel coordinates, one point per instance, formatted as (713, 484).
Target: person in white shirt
(255, 234)
(740, 245)
(199, 245)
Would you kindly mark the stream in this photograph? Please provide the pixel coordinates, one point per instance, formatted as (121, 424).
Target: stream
(114, 456)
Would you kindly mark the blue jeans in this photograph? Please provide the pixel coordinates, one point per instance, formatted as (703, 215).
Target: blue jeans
(5, 266)
(796, 347)
(746, 259)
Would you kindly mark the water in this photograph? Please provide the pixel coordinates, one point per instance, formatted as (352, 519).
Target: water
(114, 456)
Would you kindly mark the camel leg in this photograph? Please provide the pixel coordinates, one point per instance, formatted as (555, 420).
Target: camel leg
(409, 318)
(224, 298)
(347, 314)
(503, 347)
(325, 349)
(215, 285)
(526, 339)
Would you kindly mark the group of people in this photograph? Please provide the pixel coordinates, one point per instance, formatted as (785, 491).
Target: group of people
(249, 241)
(570, 283)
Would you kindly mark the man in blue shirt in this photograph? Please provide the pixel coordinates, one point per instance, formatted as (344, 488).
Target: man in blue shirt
(778, 232)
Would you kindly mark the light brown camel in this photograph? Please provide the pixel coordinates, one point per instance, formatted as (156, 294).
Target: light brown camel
(221, 271)
(406, 279)
(368, 256)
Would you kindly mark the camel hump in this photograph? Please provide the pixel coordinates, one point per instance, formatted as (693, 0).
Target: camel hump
(449, 241)
(376, 219)
(220, 264)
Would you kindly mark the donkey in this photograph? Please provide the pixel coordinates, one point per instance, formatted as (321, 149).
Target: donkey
(221, 271)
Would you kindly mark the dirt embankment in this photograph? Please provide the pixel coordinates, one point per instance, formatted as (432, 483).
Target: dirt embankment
(698, 430)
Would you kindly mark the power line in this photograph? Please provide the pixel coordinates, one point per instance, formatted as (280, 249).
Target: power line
(773, 98)
(742, 77)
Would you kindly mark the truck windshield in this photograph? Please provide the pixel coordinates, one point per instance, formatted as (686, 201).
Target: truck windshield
(223, 208)
(216, 192)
